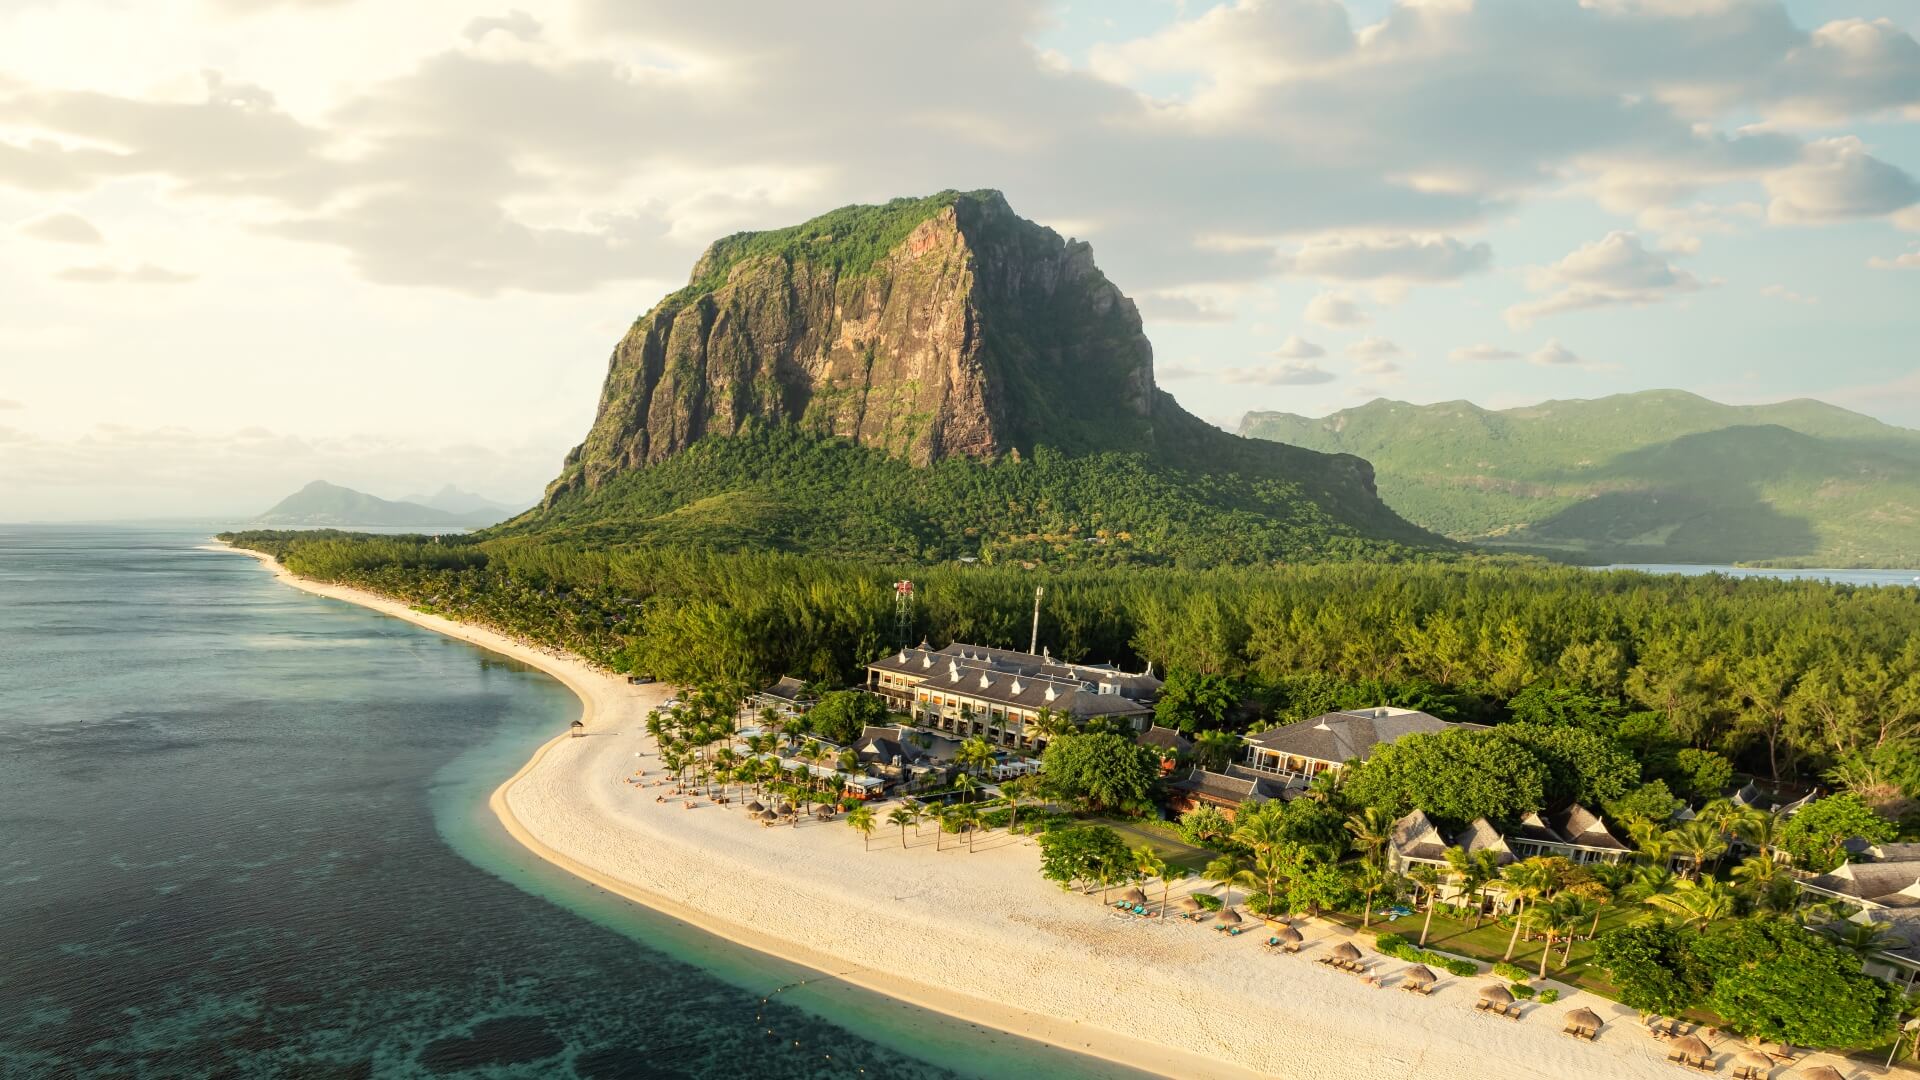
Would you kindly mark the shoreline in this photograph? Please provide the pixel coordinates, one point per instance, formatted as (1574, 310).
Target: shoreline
(1111, 1047)
(954, 930)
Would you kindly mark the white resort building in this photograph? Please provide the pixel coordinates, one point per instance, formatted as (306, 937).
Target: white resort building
(999, 694)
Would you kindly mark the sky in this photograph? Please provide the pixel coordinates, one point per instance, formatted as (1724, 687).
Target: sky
(245, 244)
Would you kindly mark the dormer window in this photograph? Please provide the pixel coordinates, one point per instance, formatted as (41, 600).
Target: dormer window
(1050, 695)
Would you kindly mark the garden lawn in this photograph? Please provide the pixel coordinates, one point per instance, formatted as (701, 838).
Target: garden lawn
(1489, 942)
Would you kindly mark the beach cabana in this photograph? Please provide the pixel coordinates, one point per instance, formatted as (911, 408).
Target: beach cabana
(1583, 1024)
(1288, 938)
(576, 729)
(767, 817)
(1229, 917)
(1190, 907)
(1751, 1065)
(1819, 1072)
(1419, 978)
(755, 807)
(1494, 999)
(1134, 896)
(1346, 951)
(1691, 1052)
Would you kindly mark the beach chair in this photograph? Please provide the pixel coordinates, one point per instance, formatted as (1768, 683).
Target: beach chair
(1512, 1012)
(1423, 989)
(1483, 1005)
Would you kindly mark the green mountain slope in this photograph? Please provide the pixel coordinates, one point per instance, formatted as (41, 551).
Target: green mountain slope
(932, 378)
(1649, 477)
(321, 503)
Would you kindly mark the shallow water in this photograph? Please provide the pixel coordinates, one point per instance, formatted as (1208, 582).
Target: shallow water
(243, 832)
(1841, 577)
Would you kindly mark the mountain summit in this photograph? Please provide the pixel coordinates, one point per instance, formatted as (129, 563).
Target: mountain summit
(918, 335)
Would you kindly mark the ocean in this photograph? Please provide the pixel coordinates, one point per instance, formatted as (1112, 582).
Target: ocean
(243, 833)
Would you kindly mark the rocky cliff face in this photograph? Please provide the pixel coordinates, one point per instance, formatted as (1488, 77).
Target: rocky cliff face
(927, 328)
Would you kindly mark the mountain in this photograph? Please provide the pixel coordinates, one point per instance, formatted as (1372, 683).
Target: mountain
(932, 378)
(455, 501)
(1659, 476)
(321, 503)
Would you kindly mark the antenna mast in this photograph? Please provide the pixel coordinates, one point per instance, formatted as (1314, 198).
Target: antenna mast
(1033, 646)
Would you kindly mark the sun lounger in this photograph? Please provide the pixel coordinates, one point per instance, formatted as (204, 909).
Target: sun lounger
(1423, 989)
(1483, 1005)
(1512, 1012)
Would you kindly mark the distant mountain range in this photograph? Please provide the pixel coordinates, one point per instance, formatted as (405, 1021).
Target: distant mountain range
(1659, 476)
(323, 504)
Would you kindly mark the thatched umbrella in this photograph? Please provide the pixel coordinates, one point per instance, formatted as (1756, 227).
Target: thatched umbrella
(1584, 1020)
(1134, 896)
(1420, 974)
(1820, 1072)
(1345, 951)
(823, 811)
(1755, 1062)
(1499, 995)
(754, 807)
(1289, 935)
(1691, 1048)
(1230, 917)
(784, 810)
(1188, 903)
(768, 815)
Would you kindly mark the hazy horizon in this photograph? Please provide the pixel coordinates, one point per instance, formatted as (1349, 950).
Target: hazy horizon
(254, 243)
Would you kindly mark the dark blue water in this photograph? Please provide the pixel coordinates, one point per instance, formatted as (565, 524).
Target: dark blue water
(243, 833)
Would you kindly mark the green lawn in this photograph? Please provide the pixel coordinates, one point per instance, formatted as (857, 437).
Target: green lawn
(1162, 838)
(1489, 942)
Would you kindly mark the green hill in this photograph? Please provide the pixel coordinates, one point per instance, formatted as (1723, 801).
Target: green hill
(932, 379)
(1660, 476)
(324, 504)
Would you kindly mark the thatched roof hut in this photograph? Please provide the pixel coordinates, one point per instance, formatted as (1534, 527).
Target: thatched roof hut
(1691, 1048)
(1584, 1020)
(1289, 935)
(1820, 1072)
(577, 728)
(1134, 896)
(1230, 917)
(768, 815)
(755, 807)
(1499, 995)
(1752, 1063)
(1190, 903)
(1420, 973)
(1346, 951)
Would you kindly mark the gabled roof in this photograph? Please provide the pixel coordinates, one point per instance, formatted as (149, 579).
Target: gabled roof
(1879, 883)
(1532, 828)
(923, 662)
(1165, 738)
(1228, 789)
(1415, 837)
(1584, 828)
(1348, 736)
(788, 689)
(1482, 836)
(1070, 689)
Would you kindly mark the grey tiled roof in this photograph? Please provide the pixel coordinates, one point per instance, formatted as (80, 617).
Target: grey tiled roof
(1348, 736)
(1165, 738)
(1874, 882)
(984, 678)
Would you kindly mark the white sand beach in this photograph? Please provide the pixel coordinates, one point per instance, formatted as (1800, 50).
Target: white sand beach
(981, 936)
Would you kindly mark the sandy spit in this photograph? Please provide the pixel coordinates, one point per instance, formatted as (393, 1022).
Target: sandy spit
(980, 936)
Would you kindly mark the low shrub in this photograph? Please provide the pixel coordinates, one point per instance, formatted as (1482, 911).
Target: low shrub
(1512, 972)
(1462, 968)
(1521, 990)
(1390, 944)
(1549, 996)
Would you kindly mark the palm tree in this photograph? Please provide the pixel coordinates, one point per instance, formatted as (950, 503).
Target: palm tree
(1152, 864)
(1371, 830)
(1654, 844)
(977, 754)
(1761, 831)
(1697, 902)
(1264, 833)
(1014, 792)
(967, 785)
(902, 817)
(1371, 880)
(1473, 871)
(1427, 879)
(1649, 880)
(1570, 909)
(1697, 841)
(1528, 880)
(861, 817)
(969, 818)
(1229, 873)
(1862, 939)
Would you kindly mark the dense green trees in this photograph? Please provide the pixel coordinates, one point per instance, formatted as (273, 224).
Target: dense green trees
(1814, 836)
(1455, 776)
(1103, 769)
(841, 714)
(1085, 855)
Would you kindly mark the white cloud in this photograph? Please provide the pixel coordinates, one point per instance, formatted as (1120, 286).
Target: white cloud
(1177, 370)
(1482, 353)
(1836, 180)
(1781, 292)
(514, 24)
(1334, 309)
(62, 228)
(1909, 260)
(1298, 348)
(1554, 354)
(1401, 260)
(1285, 373)
(1681, 228)
(1175, 308)
(1617, 269)
(1372, 348)
(142, 274)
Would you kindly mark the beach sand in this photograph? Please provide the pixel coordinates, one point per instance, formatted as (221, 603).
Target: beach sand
(983, 937)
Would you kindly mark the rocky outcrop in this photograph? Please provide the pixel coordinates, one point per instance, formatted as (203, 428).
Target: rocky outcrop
(975, 333)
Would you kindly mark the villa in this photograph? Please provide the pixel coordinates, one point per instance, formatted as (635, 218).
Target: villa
(1328, 743)
(999, 694)
(1575, 833)
(1224, 791)
(789, 697)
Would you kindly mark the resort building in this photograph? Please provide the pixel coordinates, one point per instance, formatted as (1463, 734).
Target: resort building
(789, 698)
(1224, 791)
(1000, 694)
(1575, 834)
(1168, 743)
(1299, 752)
(1885, 890)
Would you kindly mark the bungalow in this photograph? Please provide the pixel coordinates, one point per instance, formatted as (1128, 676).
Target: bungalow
(1224, 791)
(1575, 833)
(1168, 743)
(1000, 694)
(1299, 752)
(788, 697)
